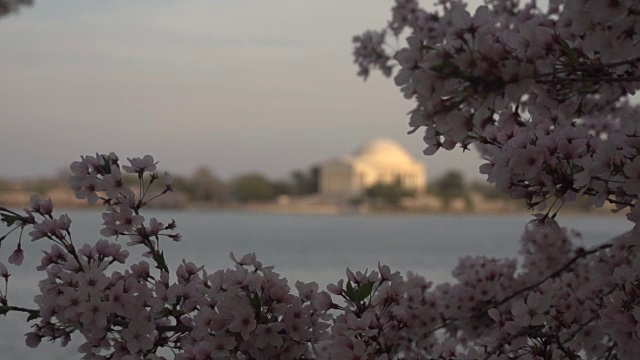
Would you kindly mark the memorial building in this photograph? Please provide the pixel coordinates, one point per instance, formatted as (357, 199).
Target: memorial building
(380, 161)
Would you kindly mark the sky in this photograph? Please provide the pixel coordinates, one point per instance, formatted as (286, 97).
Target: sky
(237, 86)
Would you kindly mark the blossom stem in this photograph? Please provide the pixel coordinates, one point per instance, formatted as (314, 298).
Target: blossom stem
(4, 309)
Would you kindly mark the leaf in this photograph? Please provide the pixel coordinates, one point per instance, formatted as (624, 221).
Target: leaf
(349, 293)
(564, 44)
(567, 49)
(364, 291)
(8, 219)
(256, 302)
(33, 315)
(106, 166)
(446, 66)
(161, 263)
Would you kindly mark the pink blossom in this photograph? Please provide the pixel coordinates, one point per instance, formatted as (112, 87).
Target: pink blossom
(140, 165)
(33, 339)
(17, 256)
(138, 335)
(243, 322)
(531, 312)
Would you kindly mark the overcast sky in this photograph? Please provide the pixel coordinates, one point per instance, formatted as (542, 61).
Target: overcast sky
(234, 85)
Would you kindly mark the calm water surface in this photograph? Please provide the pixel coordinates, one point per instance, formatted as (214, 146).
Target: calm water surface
(302, 247)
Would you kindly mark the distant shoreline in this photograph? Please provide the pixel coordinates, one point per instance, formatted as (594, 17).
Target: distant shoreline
(475, 204)
(286, 210)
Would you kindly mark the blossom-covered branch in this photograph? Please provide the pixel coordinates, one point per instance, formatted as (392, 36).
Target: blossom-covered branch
(541, 93)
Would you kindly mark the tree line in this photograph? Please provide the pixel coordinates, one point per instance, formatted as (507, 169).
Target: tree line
(203, 185)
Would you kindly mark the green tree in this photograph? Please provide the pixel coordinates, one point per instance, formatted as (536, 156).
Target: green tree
(305, 182)
(387, 194)
(206, 185)
(451, 186)
(282, 187)
(184, 185)
(488, 191)
(253, 187)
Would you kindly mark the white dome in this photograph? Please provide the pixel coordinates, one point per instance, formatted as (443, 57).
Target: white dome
(384, 152)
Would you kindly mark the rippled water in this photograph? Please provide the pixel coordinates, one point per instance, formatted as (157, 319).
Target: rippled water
(302, 247)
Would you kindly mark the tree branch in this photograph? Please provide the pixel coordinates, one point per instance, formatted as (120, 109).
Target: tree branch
(553, 275)
(4, 309)
(556, 273)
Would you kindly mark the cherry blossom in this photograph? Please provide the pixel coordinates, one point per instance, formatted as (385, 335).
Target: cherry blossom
(140, 165)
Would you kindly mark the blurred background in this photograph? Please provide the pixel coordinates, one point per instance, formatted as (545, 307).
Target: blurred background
(237, 87)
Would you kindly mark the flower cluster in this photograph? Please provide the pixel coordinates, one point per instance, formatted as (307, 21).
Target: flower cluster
(543, 95)
(540, 92)
(563, 301)
(245, 312)
(372, 317)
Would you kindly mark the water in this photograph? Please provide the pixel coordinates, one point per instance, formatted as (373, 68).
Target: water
(302, 247)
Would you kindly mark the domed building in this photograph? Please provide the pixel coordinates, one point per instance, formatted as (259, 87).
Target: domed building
(380, 161)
